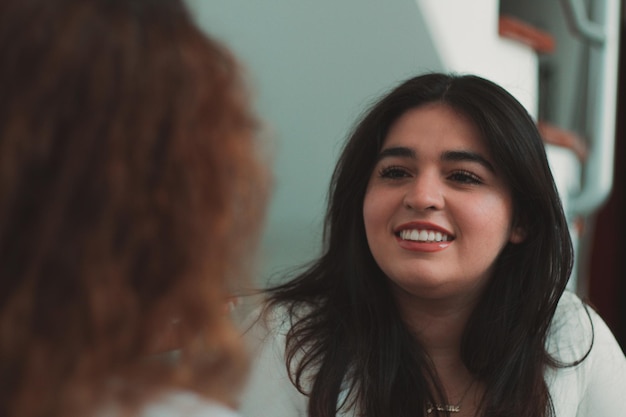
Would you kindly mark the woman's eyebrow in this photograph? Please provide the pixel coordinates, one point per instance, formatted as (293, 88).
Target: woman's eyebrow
(467, 156)
(398, 151)
(453, 156)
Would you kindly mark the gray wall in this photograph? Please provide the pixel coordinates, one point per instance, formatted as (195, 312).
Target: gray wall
(314, 67)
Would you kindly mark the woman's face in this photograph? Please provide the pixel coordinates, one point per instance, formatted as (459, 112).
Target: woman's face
(437, 214)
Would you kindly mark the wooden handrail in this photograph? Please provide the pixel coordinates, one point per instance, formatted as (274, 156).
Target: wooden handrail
(564, 138)
(513, 28)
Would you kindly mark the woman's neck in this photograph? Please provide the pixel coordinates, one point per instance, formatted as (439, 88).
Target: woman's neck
(439, 324)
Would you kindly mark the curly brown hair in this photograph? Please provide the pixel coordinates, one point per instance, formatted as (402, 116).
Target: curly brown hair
(130, 192)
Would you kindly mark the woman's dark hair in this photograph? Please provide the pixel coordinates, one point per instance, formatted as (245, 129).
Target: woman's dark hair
(348, 325)
(127, 167)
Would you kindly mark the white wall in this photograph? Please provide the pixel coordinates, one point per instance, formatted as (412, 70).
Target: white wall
(314, 66)
(466, 34)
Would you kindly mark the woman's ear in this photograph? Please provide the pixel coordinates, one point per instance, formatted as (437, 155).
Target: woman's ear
(518, 234)
(519, 227)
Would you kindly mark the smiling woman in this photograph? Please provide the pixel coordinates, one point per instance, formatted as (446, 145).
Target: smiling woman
(441, 285)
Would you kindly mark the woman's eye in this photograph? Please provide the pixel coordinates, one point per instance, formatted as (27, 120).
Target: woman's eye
(394, 173)
(465, 177)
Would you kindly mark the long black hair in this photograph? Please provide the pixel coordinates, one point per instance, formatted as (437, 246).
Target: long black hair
(348, 325)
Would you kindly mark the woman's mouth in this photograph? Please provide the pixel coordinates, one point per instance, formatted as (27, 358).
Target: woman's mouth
(424, 235)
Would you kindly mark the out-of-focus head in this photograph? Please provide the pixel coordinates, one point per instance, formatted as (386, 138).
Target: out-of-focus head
(130, 190)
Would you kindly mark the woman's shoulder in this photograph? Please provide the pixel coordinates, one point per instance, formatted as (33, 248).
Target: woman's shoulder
(269, 390)
(571, 332)
(266, 320)
(272, 319)
(265, 331)
(575, 329)
(592, 371)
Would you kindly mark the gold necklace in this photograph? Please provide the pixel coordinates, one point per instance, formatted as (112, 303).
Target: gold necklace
(450, 408)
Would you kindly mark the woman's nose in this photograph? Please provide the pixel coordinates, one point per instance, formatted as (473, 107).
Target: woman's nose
(424, 193)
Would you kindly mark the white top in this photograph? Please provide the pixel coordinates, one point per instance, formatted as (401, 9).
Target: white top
(596, 387)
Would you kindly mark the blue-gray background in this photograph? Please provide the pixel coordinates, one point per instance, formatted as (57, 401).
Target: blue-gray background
(314, 66)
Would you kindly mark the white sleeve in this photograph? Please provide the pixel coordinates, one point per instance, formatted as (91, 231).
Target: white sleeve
(269, 391)
(604, 393)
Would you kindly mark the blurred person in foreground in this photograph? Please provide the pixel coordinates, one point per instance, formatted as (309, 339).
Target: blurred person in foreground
(131, 194)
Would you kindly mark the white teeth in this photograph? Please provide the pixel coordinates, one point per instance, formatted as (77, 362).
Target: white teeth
(423, 235)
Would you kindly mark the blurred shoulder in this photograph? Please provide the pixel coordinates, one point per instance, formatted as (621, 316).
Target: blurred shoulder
(187, 404)
(175, 404)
